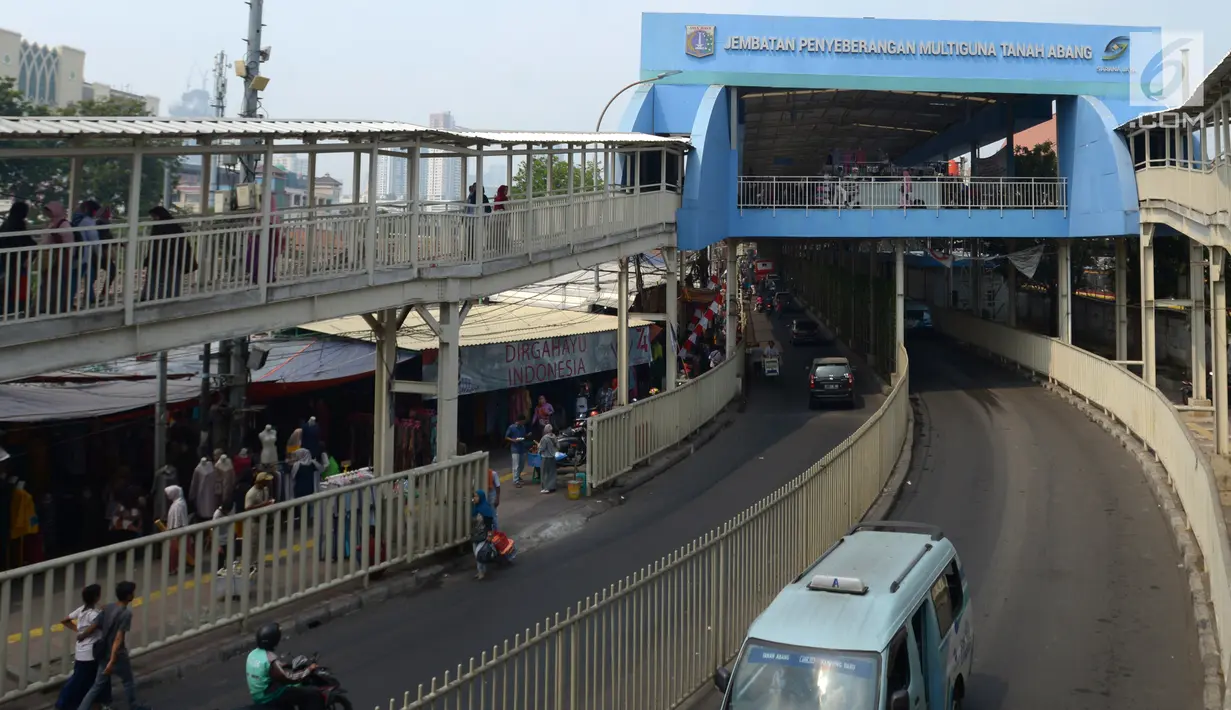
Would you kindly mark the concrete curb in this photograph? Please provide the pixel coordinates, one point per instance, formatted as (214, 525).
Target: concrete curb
(638, 477)
(888, 498)
(1160, 484)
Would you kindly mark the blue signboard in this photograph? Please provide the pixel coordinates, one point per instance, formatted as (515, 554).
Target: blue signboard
(847, 665)
(875, 54)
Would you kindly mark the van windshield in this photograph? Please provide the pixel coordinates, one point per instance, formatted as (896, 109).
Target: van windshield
(793, 678)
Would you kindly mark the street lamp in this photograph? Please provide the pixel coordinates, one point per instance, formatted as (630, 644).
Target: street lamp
(598, 126)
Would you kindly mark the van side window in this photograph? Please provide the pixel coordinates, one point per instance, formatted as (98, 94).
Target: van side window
(940, 600)
(953, 577)
(947, 597)
(898, 675)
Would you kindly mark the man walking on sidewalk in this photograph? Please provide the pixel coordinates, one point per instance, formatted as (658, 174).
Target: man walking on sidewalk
(111, 651)
(516, 436)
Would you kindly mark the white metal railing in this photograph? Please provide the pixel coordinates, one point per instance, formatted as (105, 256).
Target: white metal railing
(208, 575)
(655, 637)
(902, 193)
(1148, 415)
(1203, 187)
(626, 436)
(238, 252)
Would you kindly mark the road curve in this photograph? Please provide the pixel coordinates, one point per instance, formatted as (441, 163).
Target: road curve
(1079, 596)
(383, 651)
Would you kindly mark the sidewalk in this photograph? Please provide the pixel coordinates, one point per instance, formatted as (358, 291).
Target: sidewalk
(531, 518)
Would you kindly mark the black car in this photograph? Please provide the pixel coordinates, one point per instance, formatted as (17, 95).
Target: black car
(805, 332)
(831, 379)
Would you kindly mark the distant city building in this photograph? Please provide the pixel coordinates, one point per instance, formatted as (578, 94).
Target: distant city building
(444, 176)
(391, 178)
(193, 103)
(54, 76)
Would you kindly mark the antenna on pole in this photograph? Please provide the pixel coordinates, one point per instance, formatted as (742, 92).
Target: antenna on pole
(219, 100)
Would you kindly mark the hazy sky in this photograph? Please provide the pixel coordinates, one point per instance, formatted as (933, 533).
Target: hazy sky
(534, 64)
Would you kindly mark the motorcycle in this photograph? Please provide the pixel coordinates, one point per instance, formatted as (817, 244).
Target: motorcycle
(322, 680)
(1186, 387)
(571, 444)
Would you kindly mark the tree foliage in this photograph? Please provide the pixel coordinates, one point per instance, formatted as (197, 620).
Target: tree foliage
(1036, 162)
(584, 180)
(107, 180)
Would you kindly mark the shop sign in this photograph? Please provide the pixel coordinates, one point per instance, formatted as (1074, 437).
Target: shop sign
(526, 363)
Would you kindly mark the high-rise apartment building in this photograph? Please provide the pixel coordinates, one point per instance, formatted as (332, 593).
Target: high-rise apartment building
(391, 178)
(444, 175)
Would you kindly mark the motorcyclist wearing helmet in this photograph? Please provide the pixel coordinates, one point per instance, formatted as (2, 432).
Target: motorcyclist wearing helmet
(273, 685)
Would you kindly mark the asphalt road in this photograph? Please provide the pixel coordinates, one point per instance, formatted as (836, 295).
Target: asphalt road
(382, 652)
(1079, 597)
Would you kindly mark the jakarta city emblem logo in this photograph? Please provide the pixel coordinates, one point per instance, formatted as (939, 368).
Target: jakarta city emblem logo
(699, 40)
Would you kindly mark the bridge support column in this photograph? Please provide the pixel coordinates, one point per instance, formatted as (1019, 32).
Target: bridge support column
(731, 302)
(1196, 319)
(976, 276)
(384, 326)
(1121, 299)
(622, 334)
(1010, 285)
(671, 337)
(1064, 291)
(899, 298)
(448, 372)
(447, 328)
(1218, 316)
(1149, 370)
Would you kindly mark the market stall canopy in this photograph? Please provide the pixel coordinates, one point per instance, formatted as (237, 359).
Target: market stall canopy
(45, 402)
(486, 324)
(111, 388)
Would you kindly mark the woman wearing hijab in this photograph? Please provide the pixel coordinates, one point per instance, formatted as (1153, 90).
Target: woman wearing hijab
(500, 223)
(169, 258)
(15, 267)
(547, 449)
(177, 517)
(56, 264)
(484, 525)
(305, 473)
(177, 514)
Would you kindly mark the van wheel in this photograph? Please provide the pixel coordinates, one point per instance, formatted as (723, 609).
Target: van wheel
(955, 704)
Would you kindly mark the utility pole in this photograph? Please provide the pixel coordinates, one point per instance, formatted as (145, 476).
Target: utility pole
(219, 104)
(238, 390)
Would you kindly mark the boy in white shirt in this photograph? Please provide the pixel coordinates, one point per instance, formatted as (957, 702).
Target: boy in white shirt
(84, 622)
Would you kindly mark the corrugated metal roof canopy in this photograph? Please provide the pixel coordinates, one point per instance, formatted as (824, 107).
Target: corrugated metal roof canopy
(486, 324)
(43, 128)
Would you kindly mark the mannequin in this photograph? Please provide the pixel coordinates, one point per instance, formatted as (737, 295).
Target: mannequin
(226, 478)
(312, 437)
(269, 445)
(203, 491)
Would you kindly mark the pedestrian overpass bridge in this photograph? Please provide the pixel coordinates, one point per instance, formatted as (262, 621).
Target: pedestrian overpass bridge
(248, 259)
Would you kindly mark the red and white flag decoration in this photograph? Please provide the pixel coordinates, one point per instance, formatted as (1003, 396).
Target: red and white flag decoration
(709, 316)
(946, 260)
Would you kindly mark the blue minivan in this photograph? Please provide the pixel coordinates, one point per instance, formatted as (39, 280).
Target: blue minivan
(881, 621)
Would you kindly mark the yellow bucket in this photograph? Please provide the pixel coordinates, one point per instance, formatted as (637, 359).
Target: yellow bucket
(574, 490)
